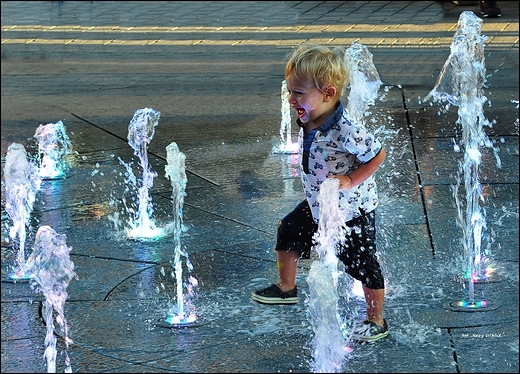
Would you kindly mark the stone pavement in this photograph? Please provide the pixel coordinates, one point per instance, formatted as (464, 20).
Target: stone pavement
(214, 71)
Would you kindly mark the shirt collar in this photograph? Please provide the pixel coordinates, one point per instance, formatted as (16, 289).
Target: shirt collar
(327, 125)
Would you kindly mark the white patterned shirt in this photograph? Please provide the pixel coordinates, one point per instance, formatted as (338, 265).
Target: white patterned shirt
(336, 148)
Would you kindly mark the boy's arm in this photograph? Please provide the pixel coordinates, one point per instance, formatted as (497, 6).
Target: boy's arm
(362, 173)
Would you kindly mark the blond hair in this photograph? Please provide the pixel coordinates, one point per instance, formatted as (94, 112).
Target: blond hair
(323, 65)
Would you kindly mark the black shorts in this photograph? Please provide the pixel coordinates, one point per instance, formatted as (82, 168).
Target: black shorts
(358, 253)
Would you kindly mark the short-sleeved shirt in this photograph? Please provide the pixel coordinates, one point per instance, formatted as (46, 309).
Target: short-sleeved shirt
(338, 147)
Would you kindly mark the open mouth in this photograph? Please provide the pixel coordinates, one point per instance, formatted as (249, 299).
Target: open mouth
(300, 112)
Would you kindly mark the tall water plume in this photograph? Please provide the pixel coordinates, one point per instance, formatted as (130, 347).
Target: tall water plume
(51, 271)
(22, 183)
(461, 83)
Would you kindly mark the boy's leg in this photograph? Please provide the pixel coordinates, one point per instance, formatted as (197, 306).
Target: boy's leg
(287, 267)
(295, 232)
(374, 327)
(364, 264)
(285, 291)
(375, 300)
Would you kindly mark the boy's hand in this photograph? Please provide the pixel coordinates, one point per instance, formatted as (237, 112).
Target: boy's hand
(345, 183)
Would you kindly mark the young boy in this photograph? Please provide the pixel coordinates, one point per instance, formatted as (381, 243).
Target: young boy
(330, 146)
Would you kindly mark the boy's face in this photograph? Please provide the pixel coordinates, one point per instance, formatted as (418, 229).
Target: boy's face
(310, 103)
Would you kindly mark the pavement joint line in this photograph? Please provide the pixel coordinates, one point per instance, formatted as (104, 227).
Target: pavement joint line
(150, 152)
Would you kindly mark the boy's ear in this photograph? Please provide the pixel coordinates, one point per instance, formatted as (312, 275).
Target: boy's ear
(329, 92)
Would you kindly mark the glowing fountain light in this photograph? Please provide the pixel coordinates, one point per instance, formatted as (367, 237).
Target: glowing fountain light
(329, 348)
(175, 170)
(286, 144)
(468, 304)
(51, 271)
(54, 147)
(22, 182)
(460, 83)
(140, 132)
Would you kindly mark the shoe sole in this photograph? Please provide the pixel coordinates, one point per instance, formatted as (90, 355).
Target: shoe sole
(270, 300)
(371, 338)
(491, 15)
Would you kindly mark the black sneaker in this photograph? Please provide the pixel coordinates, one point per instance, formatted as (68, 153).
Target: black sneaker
(369, 331)
(274, 295)
(490, 9)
